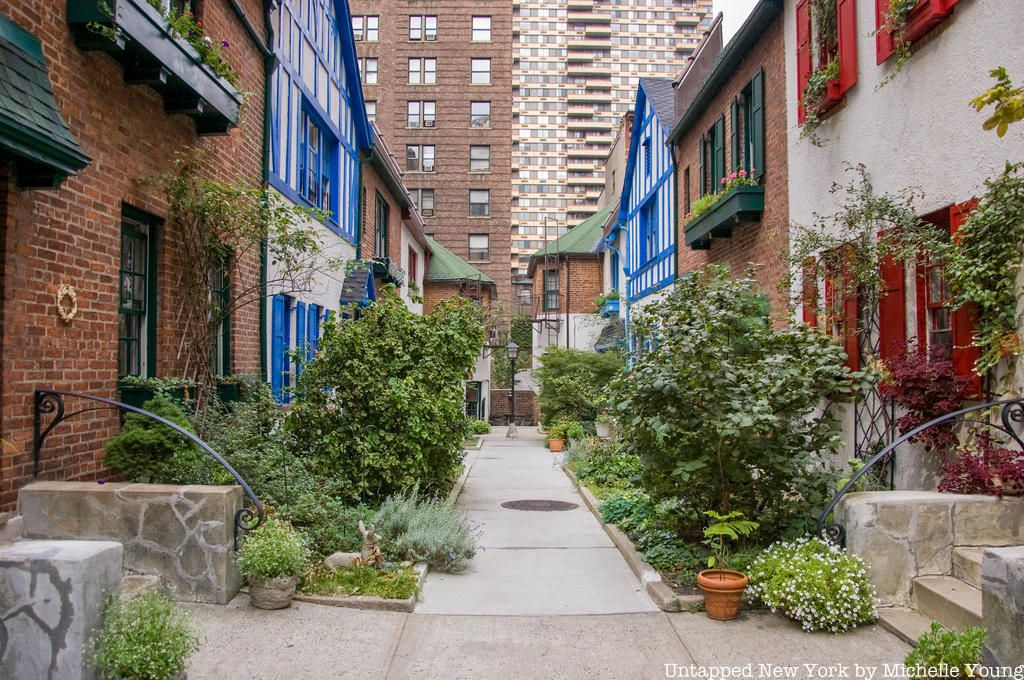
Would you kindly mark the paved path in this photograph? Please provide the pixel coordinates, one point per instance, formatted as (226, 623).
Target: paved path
(532, 563)
(548, 599)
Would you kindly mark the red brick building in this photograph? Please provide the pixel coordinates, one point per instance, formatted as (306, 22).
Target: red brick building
(729, 117)
(125, 100)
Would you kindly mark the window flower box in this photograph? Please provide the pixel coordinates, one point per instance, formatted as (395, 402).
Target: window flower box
(925, 15)
(610, 308)
(138, 395)
(740, 205)
(388, 270)
(137, 35)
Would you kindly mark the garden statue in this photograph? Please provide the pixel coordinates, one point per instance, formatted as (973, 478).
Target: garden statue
(371, 554)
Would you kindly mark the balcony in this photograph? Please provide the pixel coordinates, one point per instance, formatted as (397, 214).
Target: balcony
(135, 34)
(742, 205)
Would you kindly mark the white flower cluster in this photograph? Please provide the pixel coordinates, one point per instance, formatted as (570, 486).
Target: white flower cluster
(815, 583)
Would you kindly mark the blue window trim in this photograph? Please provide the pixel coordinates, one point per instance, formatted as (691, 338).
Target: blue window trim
(648, 160)
(614, 265)
(300, 336)
(328, 149)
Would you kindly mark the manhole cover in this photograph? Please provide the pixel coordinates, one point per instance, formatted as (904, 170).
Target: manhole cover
(539, 505)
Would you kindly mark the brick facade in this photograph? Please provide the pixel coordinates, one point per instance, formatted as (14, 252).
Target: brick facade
(452, 134)
(580, 282)
(72, 235)
(766, 242)
(435, 292)
(374, 186)
(527, 409)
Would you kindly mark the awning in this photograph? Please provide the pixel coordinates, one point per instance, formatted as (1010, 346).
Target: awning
(32, 130)
(613, 336)
(358, 289)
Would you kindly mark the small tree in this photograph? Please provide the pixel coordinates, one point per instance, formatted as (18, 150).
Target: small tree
(572, 382)
(725, 410)
(380, 407)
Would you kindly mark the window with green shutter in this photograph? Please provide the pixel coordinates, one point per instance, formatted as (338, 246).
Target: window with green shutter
(755, 125)
(220, 294)
(136, 338)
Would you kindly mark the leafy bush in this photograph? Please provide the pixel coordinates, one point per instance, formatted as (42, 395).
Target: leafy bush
(327, 524)
(380, 408)
(942, 653)
(814, 582)
(148, 451)
(146, 638)
(630, 505)
(572, 381)
(431, 531)
(724, 410)
(393, 584)
(273, 550)
(608, 465)
(478, 426)
(574, 430)
(927, 387)
(983, 467)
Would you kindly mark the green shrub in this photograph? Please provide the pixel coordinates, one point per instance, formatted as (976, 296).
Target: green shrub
(144, 449)
(478, 426)
(572, 382)
(631, 505)
(327, 524)
(273, 550)
(393, 584)
(663, 550)
(381, 406)
(814, 582)
(574, 430)
(724, 409)
(146, 638)
(942, 653)
(608, 465)
(435, 532)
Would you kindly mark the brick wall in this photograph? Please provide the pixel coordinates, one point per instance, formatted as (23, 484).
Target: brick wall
(526, 407)
(452, 134)
(766, 242)
(580, 281)
(433, 293)
(373, 186)
(72, 235)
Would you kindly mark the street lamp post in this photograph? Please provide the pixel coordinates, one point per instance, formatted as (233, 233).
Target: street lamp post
(512, 349)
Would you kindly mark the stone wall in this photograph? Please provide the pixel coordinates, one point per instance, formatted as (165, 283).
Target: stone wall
(1002, 581)
(905, 534)
(52, 595)
(181, 533)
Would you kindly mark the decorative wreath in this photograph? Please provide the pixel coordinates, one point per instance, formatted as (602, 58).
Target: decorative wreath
(67, 302)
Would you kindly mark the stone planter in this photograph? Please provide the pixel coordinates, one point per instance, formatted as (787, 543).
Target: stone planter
(272, 593)
(603, 430)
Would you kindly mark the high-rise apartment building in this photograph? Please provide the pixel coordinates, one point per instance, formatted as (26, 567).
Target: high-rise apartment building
(575, 68)
(437, 79)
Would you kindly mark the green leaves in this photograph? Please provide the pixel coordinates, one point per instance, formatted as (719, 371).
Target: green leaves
(148, 638)
(939, 651)
(1007, 99)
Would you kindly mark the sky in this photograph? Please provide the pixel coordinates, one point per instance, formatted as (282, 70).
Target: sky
(734, 14)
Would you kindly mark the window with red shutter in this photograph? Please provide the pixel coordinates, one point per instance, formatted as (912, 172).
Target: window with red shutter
(809, 297)
(846, 11)
(924, 16)
(842, 307)
(815, 52)
(892, 309)
(804, 64)
(965, 354)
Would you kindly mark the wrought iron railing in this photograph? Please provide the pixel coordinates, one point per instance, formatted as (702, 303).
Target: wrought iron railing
(1011, 412)
(52, 402)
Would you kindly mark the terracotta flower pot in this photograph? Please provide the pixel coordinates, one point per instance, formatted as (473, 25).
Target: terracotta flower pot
(556, 445)
(272, 593)
(723, 589)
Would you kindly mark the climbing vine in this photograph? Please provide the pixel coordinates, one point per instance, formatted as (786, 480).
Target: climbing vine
(895, 23)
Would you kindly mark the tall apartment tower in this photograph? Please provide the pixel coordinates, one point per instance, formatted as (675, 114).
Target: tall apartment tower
(437, 79)
(575, 68)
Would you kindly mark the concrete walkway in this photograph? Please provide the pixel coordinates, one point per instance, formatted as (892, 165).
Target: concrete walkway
(532, 563)
(549, 599)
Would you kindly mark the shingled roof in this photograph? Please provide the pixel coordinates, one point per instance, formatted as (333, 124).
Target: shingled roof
(583, 239)
(31, 127)
(447, 266)
(662, 97)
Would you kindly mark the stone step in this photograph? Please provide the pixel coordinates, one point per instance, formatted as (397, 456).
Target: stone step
(948, 600)
(967, 565)
(133, 585)
(10, 527)
(906, 624)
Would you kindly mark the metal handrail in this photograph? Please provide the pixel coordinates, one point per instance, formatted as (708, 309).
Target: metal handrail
(1012, 411)
(52, 401)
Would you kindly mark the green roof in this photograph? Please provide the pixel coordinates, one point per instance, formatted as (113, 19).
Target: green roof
(447, 266)
(581, 239)
(31, 126)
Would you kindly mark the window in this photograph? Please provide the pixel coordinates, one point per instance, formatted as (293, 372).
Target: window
(423, 28)
(136, 346)
(371, 110)
(921, 19)
(380, 229)
(366, 28)
(424, 199)
(220, 296)
(648, 163)
(712, 158)
(419, 157)
(479, 203)
(614, 266)
(422, 71)
(747, 125)
(686, 190)
(368, 71)
(413, 267)
(481, 74)
(481, 29)
(815, 52)
(551, 290)
(478, 248)
(480, 114)
(314, 313)
(421, 114)
(315, 164)
(479, 159)
(280, 345)
(648, 230)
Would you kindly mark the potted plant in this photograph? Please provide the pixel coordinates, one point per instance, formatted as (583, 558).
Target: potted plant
(145, 638)
(574, 431)
(556, 437)
(135, 390)
(603, 425)
(272, 558)
(229, 388)
(723, 588)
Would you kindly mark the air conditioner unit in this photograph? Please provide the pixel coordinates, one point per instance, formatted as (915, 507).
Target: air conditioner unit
(429, 212)
(431, 38)
(428, 123)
